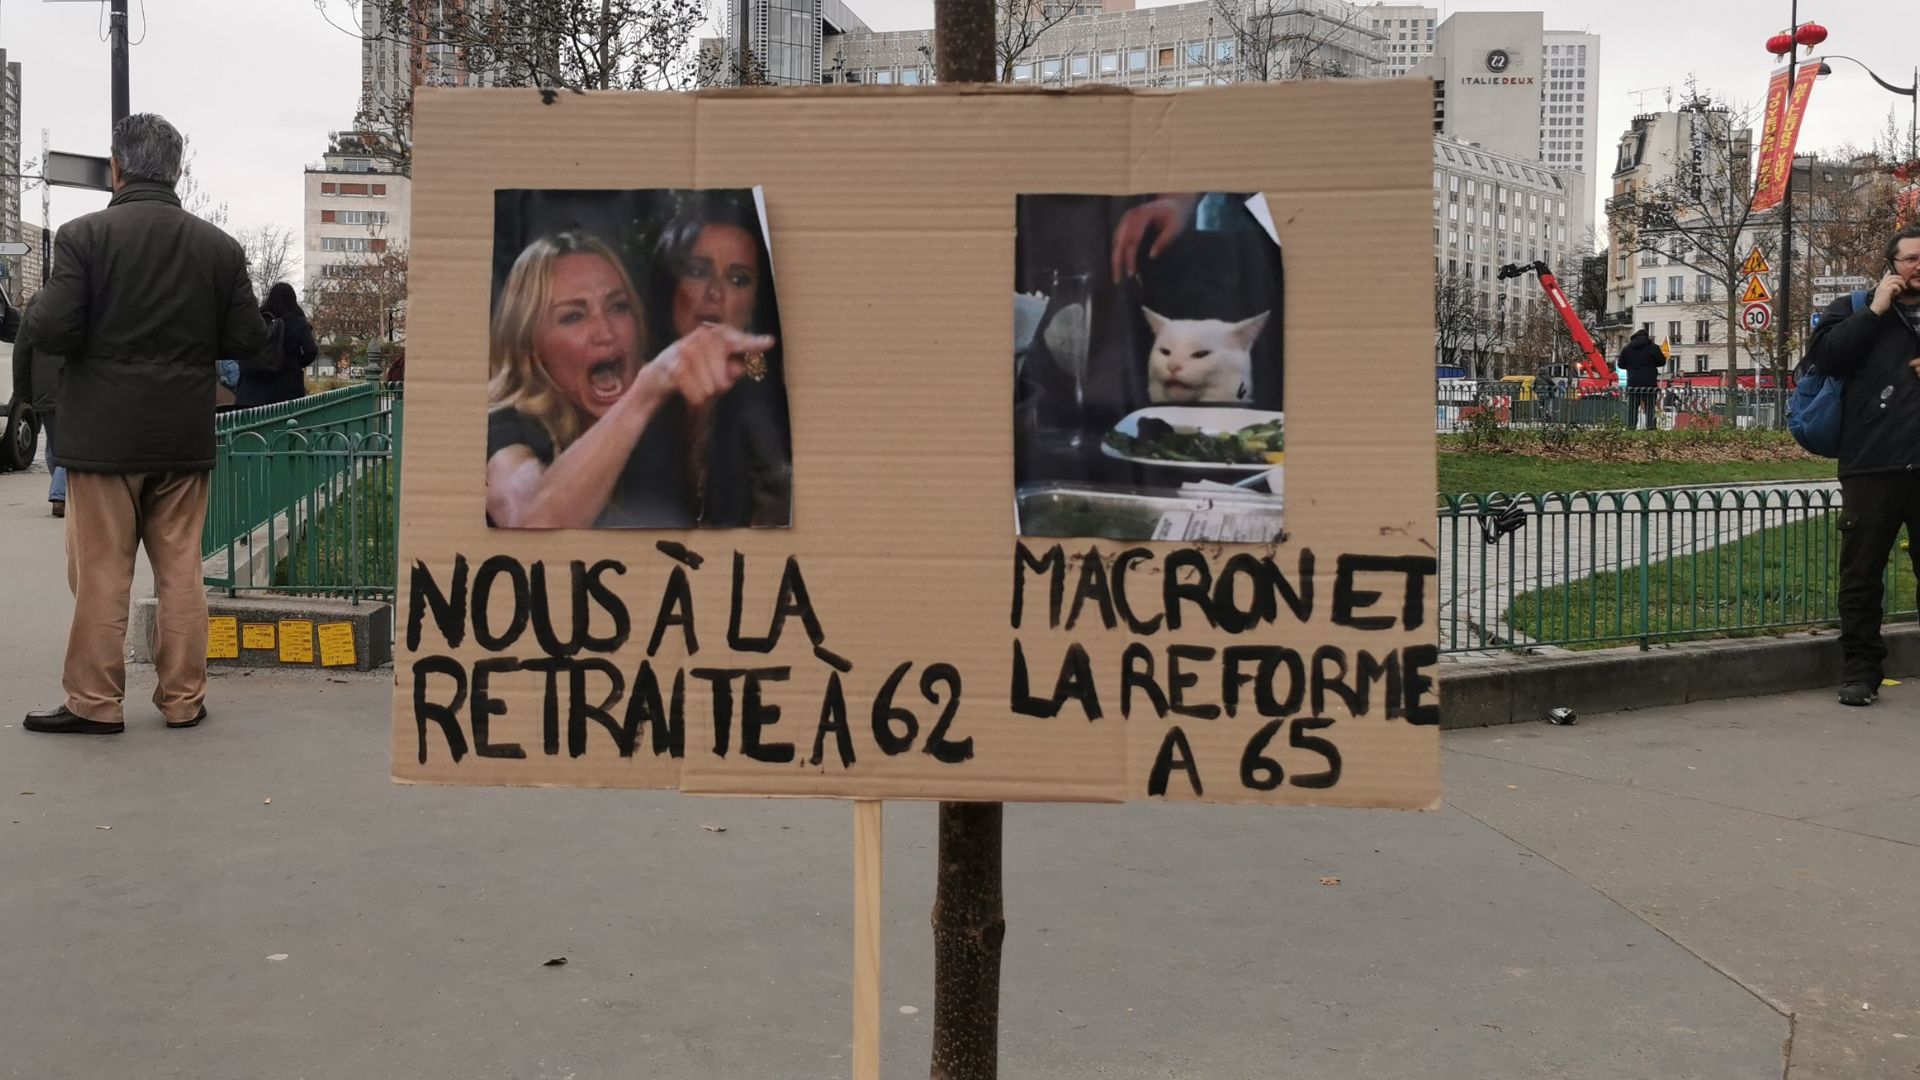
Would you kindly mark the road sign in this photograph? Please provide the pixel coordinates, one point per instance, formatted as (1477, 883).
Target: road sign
(77, 170)
(1849, 282)
(12, 248)
(1756, 292)
(1756, 263)
(1756, 317)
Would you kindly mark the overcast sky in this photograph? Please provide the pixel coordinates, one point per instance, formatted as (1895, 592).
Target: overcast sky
(258, 84)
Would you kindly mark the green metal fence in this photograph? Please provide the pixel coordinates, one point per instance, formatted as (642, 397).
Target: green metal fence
(304, 496)
(305, 500)
(1595, 569)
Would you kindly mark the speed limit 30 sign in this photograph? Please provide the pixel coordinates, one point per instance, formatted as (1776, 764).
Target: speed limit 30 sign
(1756, 317)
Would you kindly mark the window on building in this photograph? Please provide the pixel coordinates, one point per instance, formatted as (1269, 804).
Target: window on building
(1081, 65)
(327, 189)
(1673, 333)
(1453, 184)
(1223, 50)
(1648, 327)
(1137, 60)
(1703, 287)
(1676, 290)
(1109, 63)
(1453, 238)
(1050, 69)
(1649, 291)
(883, 78)
(379, 189)
(1453, 266)
(356, 165)
(347, 243)
(1700, 364)
(1166, 57)
(1453, 211)
(910, 77)
(353, 189)
(1703, 331)
(1022, 72)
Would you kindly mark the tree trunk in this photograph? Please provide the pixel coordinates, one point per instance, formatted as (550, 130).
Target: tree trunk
(1733, 345)
(968, 928)
(968, 920)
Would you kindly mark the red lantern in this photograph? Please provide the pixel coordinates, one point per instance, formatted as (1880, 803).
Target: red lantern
(1810, 34)
(1780, 44)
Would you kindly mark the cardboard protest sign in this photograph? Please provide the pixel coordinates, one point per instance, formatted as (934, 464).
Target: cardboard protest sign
(981, 589)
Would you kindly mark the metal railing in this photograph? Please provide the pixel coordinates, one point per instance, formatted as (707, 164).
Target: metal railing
(304, 496)
(1460, 404)
(1594, 569)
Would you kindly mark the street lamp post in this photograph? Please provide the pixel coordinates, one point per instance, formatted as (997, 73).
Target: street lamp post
(1912, 93)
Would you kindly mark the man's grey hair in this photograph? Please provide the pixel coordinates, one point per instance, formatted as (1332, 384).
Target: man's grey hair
(148, 148)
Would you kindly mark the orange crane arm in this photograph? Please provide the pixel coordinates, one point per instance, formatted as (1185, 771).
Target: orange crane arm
(1594, 366)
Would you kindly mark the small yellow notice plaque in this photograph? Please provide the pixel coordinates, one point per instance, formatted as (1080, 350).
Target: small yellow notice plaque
(296, 641)
(257, 635)
(336, 645)
(223, 637)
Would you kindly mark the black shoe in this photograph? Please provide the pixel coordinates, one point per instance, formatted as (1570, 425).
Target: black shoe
(1859, 693)
(62, 722)
(197, 717)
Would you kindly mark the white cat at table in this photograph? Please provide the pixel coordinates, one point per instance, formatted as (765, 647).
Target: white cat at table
(1195, 360)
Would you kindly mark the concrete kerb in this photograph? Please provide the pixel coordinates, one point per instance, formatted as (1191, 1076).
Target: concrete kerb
(371, 623)
(1521, 689)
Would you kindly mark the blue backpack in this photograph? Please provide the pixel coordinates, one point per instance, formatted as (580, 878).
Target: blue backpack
(1814, 411)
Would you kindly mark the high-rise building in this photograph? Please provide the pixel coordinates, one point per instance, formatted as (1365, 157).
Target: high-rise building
(393, 60)
(1506, 83)
(10, 166)
(782, 42)
(1407, 35)
(1570, 116)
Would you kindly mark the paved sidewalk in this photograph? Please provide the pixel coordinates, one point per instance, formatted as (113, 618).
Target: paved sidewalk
(1589, 908)
(1776, 838)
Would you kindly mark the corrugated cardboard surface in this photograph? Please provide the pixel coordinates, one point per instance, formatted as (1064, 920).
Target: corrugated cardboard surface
(891, 217)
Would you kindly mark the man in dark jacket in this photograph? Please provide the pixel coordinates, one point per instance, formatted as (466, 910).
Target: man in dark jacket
(1642, 361)
(1875, 350)
(143, 300)
(36, 381)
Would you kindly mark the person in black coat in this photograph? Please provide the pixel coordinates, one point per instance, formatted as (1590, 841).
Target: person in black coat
(1642, 361)
(288, 380)
(1876, 349)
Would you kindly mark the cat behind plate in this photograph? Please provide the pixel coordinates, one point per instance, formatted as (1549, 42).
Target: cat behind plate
(1201, 359)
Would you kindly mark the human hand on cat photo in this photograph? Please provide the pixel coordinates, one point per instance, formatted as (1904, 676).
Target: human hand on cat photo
(1166, 216)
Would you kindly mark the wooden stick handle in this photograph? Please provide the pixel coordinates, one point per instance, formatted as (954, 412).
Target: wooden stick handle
(866, 939)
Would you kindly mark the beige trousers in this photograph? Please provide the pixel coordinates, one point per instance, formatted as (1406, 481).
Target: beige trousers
(110, 517)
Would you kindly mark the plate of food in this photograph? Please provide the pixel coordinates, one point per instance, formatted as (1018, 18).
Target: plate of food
(1200, 437)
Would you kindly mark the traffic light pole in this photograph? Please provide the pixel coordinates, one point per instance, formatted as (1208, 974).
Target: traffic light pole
(117, 33)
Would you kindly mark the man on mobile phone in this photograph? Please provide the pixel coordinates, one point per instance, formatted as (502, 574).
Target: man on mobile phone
(1876, 349)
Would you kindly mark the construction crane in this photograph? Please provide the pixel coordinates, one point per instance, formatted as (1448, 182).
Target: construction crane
(1595, 372)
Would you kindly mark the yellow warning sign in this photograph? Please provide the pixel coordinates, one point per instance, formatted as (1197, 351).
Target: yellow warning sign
(1756, 292)
(336, 644)
(1756, 263)
(296, 641)
(223, 637)
(257, 635)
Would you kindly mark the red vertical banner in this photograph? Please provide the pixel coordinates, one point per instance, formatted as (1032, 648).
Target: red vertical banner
(1782, 131)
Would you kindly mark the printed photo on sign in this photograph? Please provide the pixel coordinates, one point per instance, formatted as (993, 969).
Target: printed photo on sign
(635, 371)
(1148, 372)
